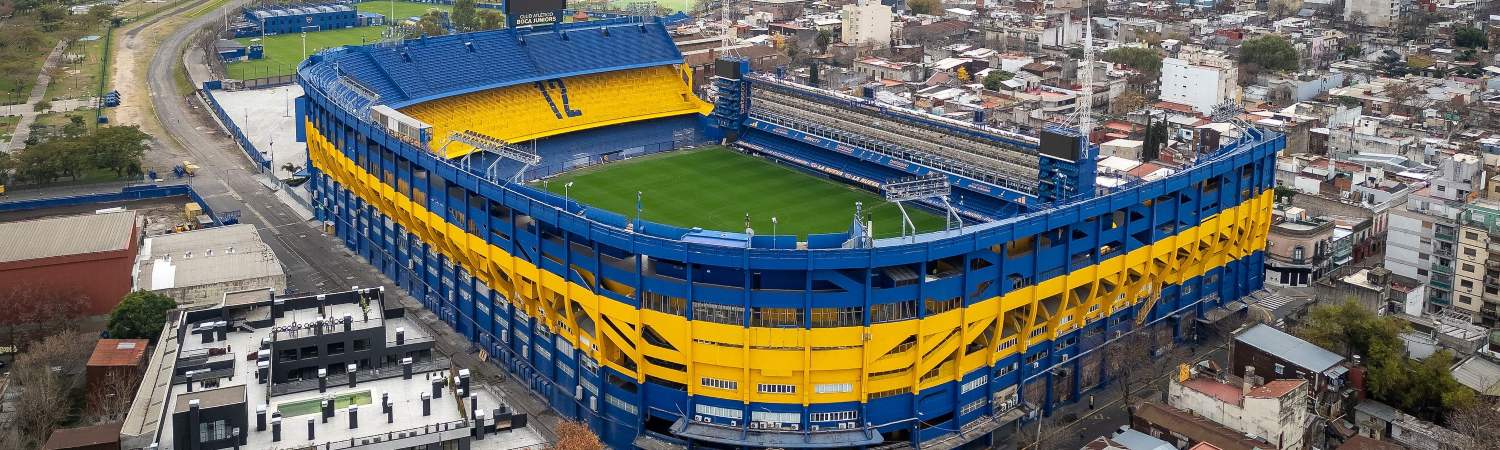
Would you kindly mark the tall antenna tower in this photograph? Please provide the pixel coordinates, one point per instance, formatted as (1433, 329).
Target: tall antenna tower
(1086, 108)
(726, 38)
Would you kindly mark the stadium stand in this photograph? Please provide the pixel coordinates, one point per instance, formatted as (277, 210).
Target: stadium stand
(541, 109)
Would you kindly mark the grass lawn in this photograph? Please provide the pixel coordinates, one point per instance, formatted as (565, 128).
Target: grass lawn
(284, 51)
(8, 127)
(673, 5)
(714, 187)
(79, 78)
(403, 10)
(313, 405)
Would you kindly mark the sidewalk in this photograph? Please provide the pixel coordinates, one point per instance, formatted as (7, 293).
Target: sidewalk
(28, 116)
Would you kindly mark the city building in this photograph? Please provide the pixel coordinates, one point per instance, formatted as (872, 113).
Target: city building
(92, 260)
(1422, 238)
(1298, 252)
(1375, 13)
(1477, 292)
(778, 10)
(1275, 410)
(1380, 421)
(104, 436)
(884, 69)
(1201, 79)
(342, 368)
(1184, 429)
(114, 368)
(1271, 353)
(867, 23)
(198, 267)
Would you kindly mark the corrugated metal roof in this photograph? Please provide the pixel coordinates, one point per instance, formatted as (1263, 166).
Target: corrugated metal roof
(1479, 374)
(61, 236)
(1290, 348)
(118, 352)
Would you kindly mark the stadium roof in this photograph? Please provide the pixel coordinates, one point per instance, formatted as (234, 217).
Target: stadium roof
(90, 233)
(429, 68)
(298, 10)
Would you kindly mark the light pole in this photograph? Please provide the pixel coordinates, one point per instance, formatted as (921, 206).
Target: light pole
(304, 45)
(566, 187)
(773, 231)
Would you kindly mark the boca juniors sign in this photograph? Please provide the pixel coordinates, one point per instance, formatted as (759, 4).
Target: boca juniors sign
(522, 13)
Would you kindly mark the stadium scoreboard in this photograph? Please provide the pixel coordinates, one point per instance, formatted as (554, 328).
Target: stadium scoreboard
(523, 13)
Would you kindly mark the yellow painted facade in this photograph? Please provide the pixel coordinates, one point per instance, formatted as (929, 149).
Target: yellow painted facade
(882, 359)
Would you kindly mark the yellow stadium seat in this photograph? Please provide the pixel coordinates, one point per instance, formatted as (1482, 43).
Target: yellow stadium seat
(524, 112)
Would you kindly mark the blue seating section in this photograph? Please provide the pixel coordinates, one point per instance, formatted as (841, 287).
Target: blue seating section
(434, 67)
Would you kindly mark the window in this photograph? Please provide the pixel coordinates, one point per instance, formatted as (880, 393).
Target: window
(776, 317)
(361, 344)
(1468, 267)
(213, 431)
(836, 416)
(662, 303)
(891, 312)
(728, 385)
(1279, 369)
(1297, 254)
(725, 314)
(1469, 251)
(838, 317)
(336, 348)
(1466, 283)
(773, 388)
(719, 411)
(972, 406)
(833, 388)
(974, 384)
(935, 306)
(776, 417)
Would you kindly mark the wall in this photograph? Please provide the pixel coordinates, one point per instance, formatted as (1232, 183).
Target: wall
(211, 293)
(102, 278)
(1201, 87)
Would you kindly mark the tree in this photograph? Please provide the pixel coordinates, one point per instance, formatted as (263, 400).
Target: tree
(118, 148)
(33, 310)
(923, 6)
(1126, 102)
(823, 39)
(1270, 52)
(46, 374)
(1284, 193)
(110, 397)
(1144, 60)
(140, 315)
(431, 23)
(463, 16)
(1425, 388)
(1477, 421)
(1136, 359)
(1470, 37)
(1353, 51)
(963, 74)
(995, 77)
(490, 19)
(575, 436)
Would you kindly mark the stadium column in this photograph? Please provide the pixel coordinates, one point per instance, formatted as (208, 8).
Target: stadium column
(916, 365)
(864, 347)
(747, 395)
(807, 365)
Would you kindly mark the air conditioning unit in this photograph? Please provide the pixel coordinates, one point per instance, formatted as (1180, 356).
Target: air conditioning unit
(794, 426)
(814, 427)
(578, 392)
(697, 417)
(853, 425)
(734, 423)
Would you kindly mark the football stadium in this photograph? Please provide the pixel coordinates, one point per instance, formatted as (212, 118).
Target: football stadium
(559, 195)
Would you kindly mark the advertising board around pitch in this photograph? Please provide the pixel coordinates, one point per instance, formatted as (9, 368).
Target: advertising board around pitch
(534, 12)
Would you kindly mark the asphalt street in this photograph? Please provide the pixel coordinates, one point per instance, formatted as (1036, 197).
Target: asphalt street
(313, 262)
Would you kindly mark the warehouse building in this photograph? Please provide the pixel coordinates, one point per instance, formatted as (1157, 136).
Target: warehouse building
(296, 18)
(87, 255)
(199, 267)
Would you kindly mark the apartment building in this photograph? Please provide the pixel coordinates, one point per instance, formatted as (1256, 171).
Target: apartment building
(1202, 79)
(1478, 276)
(1275, 410)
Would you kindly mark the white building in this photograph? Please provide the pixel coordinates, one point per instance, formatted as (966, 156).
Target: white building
(198, 267)
(1275, 411)
(1201, 79)
(1374, 13)
(867, 23)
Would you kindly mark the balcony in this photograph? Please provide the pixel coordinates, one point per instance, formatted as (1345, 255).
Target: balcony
(1441, 284)
(1439, 269)
(1444, 252)
(1445, 236)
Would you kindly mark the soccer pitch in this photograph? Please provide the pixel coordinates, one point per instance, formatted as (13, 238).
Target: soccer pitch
(284, 51)
(714, 187)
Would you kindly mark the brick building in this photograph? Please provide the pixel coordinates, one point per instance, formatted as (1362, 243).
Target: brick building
(87, 255)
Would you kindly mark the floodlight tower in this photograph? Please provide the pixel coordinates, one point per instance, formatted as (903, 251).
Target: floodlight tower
(917, 188)
(1086, 109)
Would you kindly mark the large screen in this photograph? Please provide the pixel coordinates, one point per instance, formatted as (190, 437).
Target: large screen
(1060, 145)
(534, 12)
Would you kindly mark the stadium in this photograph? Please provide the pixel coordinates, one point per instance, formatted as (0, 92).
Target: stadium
(560, 196)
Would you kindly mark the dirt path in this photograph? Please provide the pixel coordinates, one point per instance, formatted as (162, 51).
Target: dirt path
(133, 52)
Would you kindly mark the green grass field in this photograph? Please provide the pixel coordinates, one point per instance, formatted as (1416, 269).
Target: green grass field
(402, 10)
(312, 405)
(714, 187)
(284, 51)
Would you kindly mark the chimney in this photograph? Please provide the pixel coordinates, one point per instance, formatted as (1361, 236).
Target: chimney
(260, 417)
(262, 372)
(473, 403)
(222, 329)
(1249, 381)
(400, 335)
(352, 369)
(190, 381)
(348, 323)
(463, 380)
(322, 380)
(195, 418)
(405, 366)
(310, 435)
(353, 417)
(437, 388)
(385, 407)
(479, 425)
(327, 409)
(275, 429)
(426, 405)
(207, 334)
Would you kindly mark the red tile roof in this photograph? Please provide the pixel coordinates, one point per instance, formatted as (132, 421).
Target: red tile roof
(67, 438)
(1226, 393)
(1275, 388)
(118, 352)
